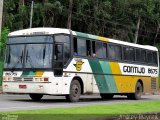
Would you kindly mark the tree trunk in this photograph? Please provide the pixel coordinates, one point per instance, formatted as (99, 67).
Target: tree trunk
(158, 27)
(21, 4)
(70, 14)
(1, 14)
(137, 29)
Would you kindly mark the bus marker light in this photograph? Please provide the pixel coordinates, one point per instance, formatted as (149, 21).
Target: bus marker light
(45, 79)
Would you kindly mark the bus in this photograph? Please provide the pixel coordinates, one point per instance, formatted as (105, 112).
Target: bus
(56, 61)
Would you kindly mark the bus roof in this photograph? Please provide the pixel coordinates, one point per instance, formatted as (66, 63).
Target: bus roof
(41, 31)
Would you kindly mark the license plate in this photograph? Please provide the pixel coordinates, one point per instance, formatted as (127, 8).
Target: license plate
(22, 86)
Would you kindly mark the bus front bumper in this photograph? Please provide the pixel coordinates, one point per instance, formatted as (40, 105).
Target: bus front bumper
(33, 87)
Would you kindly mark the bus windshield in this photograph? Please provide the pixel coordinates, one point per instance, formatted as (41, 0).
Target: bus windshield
(29, 55)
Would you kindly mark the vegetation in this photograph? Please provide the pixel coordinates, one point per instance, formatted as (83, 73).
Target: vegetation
(128, 20)
(4, 34)
(89, 112)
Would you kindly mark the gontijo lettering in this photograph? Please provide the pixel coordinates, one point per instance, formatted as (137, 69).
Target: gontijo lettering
(133, 69)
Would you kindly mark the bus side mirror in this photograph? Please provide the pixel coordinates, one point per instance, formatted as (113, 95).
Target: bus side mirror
(58, 60)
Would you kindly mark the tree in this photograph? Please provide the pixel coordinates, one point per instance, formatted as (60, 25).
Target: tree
(141, 9)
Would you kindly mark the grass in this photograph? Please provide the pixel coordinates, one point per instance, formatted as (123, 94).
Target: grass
(88, 112)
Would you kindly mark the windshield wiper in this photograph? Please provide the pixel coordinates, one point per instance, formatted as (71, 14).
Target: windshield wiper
(20, 59)
(29, 60)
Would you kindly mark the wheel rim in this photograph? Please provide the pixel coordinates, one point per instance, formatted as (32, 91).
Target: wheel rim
(75, 90)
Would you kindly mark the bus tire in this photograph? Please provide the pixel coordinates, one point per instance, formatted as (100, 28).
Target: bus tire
(75, 91)
(138, 92)
(106, 96)
(36, 97)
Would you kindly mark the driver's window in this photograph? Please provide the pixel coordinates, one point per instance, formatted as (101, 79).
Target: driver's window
(58, 52)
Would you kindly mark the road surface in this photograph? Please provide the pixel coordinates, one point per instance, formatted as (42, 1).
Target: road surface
(10, 102)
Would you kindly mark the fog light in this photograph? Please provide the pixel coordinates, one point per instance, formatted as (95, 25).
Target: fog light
(6, 86)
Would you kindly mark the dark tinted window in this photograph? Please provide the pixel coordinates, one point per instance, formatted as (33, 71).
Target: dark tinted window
(99, 50)
(66, 40)
(140, 55)
(128, 54)
(114, 52)
(143, 55)
(104, 50)
(81, 45)
(88, 45)
(149, 57)
(94, 48)
(75, 52)
(155, 57)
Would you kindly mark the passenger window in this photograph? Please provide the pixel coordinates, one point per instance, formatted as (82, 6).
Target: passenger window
(128, 54)
(88, 44)
(149, 58)
(94, 48)
(155, 58)
(99, 50)
(140, 55)
(75, 52)
(143, 55)
(81, 45)
(114, 52)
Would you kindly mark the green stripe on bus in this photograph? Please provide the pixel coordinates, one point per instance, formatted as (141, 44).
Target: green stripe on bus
(28, 74)
(109, 78)
(105, 83)
(86, 35)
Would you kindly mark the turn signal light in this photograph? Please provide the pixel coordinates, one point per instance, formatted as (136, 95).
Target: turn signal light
(40, 79)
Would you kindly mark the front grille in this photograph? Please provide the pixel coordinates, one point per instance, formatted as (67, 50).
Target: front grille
(17, 79)
(153, 83)
(22, 79)
(27, 79)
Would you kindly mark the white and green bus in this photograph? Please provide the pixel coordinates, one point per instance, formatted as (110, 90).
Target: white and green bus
(54, 61)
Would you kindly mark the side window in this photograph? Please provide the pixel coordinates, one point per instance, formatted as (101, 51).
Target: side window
(114, 52)
(149, 57)
(104, 50)
(75, 51)
(65, 39)
(140, 55)
(143, 55)
(152, 57)
(81, 47)
(94, 48)
(99, 50)
(155, 58)
(128, 54)
(88, 45)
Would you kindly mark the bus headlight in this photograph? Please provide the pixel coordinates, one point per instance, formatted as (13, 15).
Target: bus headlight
(7, 78)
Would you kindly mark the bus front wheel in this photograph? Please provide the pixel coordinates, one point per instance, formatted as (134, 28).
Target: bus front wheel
(36, 97)
(75, 91)
(138, 92)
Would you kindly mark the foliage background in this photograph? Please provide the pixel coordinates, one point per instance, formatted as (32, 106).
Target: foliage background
(125, 20)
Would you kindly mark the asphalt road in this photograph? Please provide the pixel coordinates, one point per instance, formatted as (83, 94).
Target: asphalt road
(23, 102)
